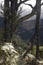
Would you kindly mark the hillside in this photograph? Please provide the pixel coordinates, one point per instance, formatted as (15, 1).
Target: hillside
(26, 29)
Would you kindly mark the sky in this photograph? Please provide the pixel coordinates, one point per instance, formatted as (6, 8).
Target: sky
(26, 9)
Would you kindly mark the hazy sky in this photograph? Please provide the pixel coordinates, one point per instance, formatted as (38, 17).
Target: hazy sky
(27, 9)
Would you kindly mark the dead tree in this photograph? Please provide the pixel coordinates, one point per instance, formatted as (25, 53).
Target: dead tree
(36, 34)
(10, 17)
(38, 3)
(11, 23)
(10, 20)
(6, 19)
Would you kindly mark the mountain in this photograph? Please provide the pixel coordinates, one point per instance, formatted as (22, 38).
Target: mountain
(26, 29)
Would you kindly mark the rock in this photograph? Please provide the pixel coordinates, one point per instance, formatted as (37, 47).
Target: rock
(2, 57)
(40, 62)
(31, 60)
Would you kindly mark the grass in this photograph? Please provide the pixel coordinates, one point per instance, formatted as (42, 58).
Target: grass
(21, 46)
(40, 49)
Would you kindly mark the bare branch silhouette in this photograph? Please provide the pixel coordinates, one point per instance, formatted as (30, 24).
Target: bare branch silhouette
(41, 4)
(1, 12)
(29, 5)
(22, 2)
(29, 15)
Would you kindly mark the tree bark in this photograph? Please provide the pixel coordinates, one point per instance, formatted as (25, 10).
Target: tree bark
(6, 21)
(38, 3)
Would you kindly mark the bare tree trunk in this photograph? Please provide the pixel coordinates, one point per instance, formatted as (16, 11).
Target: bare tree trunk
(6, 21)
(10, 19)
(38, 4)
(14, 9)
(35, 38)
(12, 16)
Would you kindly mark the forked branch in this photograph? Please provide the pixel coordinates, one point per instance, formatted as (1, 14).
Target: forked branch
(22, 2)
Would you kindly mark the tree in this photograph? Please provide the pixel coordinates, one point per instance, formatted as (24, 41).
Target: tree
(10, 17)
(11, 20)
(36, 34)
(6, 19)
(38, 3)
(13, 10)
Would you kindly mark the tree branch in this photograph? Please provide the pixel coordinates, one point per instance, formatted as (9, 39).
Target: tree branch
(1, 12)
(27, 16)
(30, 44)
(29, 5)
(22, 2)
(41, 4)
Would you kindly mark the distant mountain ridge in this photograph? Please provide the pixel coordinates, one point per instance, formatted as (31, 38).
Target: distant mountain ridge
(26, 29)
